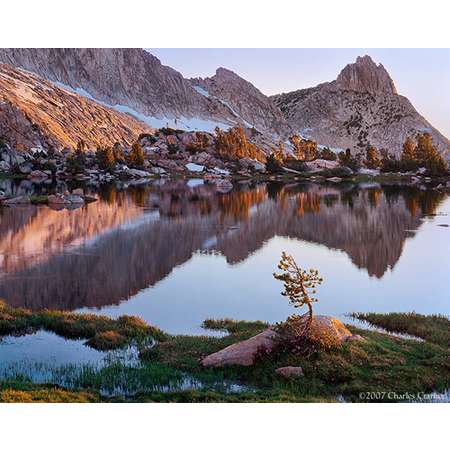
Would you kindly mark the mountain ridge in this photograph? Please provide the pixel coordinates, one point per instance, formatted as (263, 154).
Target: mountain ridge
(358, 109)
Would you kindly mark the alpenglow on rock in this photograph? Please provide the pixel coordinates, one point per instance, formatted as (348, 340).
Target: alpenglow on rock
(245, 101)
(360, 108)
(36, 113)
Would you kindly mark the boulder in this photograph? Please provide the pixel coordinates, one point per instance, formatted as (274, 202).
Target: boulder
(242, 353)
(201, 158)
(26, 168)
(19, 200)
(4, 166)
(65, 199)
(158, 170)
(136, 173)
(57, 199)
(325, 330)
(328, 331)
(320, 164)
(290, 372)
(252, 164)
(365, 171)
(334, 179)
(78, 192)
(74, 199)
(38, 174)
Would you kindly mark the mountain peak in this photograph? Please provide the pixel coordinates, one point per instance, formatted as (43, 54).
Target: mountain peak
(365, 75)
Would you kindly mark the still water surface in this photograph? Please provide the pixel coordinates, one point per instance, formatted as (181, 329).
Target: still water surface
(176, 253)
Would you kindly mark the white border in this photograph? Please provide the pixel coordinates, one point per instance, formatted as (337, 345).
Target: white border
(227, 23)
(230, 23)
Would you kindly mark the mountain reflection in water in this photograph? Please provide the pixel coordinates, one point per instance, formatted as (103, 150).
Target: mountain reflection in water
(108, 251)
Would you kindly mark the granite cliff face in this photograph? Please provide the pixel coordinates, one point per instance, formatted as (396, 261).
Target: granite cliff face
(135, 81)
(131, 77)
(37, 113)
(360, 108)
(245, 100)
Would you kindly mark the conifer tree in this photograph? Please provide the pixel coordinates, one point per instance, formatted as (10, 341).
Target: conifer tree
(136, 155)
(372, 160)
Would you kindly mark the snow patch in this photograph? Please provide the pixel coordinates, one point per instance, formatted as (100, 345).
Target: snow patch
(192, 167)
(181, 123)
(201, 91)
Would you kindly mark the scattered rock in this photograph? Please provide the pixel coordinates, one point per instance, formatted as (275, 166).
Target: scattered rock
(242, 353)
(4, 166)
(65, 199)
(372, 172)
(19, 200)
(38, 174)
(334, 179)
(26, 168)
(290, 372)
(322, 164)
(253, 164)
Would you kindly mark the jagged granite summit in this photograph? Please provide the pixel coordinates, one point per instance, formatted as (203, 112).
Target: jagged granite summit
(366, 76)
(360, 108)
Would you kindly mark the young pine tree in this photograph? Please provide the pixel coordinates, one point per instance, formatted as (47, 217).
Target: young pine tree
(136, 155)
(372, 160)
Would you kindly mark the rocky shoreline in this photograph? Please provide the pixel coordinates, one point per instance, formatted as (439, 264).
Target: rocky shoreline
(170, 154)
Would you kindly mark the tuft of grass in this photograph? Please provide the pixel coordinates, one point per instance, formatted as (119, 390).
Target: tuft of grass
(39, 199)
(235, 326)
(107, 340)
(433, 328)
(102, 332)
(23, 392)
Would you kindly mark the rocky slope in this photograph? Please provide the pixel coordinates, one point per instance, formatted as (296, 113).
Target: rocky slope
(245, 100)
(360, 108)
(135, 81)
(37, 113)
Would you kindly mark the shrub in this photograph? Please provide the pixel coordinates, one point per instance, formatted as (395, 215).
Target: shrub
(304, 149)
(327, 154)
(136, 155)
(105, 158)
(346, 159)
(273, 164)
(118, 154)
(233, 144)
(372, 160)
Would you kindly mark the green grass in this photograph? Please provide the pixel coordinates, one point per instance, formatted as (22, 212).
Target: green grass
(23, 392)
(39, 199)
(103, 333)
(378, 363)
(434, 328)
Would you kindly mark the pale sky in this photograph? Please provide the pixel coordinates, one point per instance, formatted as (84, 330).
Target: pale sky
(422, 75)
